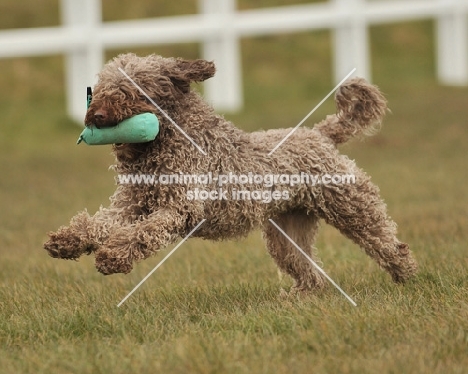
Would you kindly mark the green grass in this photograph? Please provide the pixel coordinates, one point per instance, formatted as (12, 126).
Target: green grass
(215, 307)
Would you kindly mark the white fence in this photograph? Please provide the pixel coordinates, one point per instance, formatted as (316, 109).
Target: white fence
(219, 26)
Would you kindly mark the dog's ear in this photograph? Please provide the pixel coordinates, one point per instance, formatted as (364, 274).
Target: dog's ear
(186, 71)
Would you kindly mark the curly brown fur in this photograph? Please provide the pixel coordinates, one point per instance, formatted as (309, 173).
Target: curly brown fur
(142, 219)
(360, 110)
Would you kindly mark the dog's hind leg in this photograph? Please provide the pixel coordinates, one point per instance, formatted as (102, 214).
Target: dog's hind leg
(301, 228)
(360, 214)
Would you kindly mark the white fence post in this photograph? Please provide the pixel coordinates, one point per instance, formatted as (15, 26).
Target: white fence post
(84, 62)
(351, 44)
(452, 44)
(224, 90)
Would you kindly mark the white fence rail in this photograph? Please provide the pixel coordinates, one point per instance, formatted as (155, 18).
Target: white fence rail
(219, 26)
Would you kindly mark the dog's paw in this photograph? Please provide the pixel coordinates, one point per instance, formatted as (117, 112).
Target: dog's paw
(108, 263)
(67, 245)
(406, 267)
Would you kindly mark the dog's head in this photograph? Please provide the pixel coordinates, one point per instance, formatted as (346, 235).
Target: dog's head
(166, 81)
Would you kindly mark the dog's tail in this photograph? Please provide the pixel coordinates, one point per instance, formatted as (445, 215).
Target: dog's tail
(360, 110)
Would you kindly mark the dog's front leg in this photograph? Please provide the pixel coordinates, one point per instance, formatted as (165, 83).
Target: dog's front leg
(140, 240)
(70, 242)
(85, 233)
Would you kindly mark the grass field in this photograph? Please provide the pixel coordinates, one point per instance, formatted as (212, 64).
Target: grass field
(215, 307)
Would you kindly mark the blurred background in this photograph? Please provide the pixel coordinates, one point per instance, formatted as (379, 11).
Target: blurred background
(418, 159)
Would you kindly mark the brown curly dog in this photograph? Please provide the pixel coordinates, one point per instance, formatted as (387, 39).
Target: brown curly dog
(143, 218)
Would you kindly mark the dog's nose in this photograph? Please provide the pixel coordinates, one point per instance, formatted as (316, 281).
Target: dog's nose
(100, 115)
